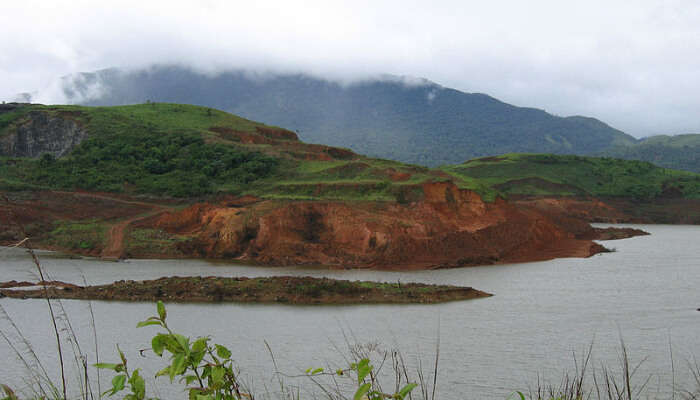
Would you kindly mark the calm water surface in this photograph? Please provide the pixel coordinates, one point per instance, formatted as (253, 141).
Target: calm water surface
(646, 292)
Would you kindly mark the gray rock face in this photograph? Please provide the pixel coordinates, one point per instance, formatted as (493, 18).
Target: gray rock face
(42, 133)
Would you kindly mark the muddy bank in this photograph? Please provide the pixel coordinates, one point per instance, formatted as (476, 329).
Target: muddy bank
(615, 233)
(663, 210)
(284, 289)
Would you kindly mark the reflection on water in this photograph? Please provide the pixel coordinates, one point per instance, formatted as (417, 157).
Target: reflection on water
(646, 292)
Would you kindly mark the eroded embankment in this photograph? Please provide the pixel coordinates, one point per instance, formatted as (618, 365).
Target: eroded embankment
(448, 227)
(283, 289)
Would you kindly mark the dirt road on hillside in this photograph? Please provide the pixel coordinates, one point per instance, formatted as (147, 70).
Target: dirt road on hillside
(114, 248)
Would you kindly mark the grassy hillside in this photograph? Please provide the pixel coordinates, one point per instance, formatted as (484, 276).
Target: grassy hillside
(677, 152)
(157, 149)
(409, 120)
(173, 150)
(547, 174)
(177, 150)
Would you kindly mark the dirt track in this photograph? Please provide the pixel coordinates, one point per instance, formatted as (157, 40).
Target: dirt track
(114, 248)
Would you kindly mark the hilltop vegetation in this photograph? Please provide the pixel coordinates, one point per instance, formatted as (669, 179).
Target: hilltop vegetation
(405, 119)
(187, 151)
(677, 152)
(154, 149)
(565, 175)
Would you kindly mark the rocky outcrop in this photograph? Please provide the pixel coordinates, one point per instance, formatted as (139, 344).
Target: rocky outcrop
(41, 132)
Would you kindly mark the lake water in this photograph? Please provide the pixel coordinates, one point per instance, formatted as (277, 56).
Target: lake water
(646, 292)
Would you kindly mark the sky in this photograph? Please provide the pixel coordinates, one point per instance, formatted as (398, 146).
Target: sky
(633, 64)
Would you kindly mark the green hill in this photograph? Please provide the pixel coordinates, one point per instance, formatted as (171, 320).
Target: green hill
(406, 119)
(677, 152)
(184, 151)
(175, 150)
(566, 175)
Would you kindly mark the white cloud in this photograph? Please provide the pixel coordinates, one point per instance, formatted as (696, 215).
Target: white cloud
(635, 65)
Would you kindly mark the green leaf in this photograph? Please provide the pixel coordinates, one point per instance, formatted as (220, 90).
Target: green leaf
(406, 390)
(217, 375)
(206, 371)
(178, 366)
(317, 371)
(113, 367)
(171, 344)
(158, 344)
(118, 383)
(223, 352)
(163, 372)
(197, 357)
(361, 391)
(147, 323)
(183, 342)
(138, 385)
(161, 310)
(200, 344)
(363, 369)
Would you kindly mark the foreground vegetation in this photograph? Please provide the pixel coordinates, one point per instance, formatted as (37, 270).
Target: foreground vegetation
(207, 371)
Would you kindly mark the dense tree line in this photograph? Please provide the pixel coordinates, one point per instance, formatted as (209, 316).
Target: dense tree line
(178, 165)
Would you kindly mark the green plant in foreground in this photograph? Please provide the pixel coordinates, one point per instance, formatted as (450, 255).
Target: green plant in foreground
(368, 388)
(367, 384)
(209, 368)
(209, 373)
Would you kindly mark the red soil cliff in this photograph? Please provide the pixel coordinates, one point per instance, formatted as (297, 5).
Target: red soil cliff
(450, 227)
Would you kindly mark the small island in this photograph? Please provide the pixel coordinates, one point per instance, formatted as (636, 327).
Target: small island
(279, 289)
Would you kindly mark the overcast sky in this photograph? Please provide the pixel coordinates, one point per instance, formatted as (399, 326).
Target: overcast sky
(634, 64)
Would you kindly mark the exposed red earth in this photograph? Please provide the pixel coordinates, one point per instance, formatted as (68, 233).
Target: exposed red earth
(449, 227)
